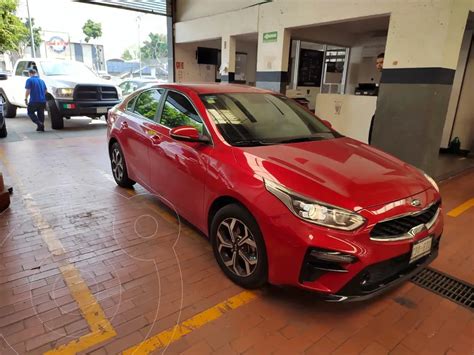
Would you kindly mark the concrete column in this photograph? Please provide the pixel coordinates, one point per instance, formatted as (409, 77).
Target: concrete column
(228, 59)
(272, 59)
(421, 55)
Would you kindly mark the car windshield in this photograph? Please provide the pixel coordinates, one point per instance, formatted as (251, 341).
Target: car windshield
(52, 68)
(246, 119)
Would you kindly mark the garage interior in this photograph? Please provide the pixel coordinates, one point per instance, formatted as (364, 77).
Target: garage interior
(92, 268)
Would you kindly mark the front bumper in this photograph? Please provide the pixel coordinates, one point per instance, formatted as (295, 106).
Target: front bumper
(354, 290)
(85, 108)
(289, 240)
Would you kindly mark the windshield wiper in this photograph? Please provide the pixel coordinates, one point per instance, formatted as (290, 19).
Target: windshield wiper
(300, 139)
(250, 143)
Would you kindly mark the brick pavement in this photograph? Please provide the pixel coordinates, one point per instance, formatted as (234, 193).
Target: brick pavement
(148, 278)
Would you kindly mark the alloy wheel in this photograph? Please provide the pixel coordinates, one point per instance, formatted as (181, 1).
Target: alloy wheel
(117, 164)
(237, 247)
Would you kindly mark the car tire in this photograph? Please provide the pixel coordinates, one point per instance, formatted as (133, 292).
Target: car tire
(119, 167)
(237, 243)
(8, 109)
(57, 121)
(3, 131)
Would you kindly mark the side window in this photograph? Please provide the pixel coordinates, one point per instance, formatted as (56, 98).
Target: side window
(178, 111)
(20, 68)
(130, 104)
(147, 103)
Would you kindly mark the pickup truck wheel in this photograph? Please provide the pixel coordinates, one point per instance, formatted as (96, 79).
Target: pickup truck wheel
(3, 131)
(57, 121)
(9, 110)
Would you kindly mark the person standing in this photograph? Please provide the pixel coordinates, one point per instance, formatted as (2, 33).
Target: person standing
(36, 91)
(379, 67)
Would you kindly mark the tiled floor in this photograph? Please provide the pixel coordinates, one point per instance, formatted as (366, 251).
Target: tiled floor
(71, 234)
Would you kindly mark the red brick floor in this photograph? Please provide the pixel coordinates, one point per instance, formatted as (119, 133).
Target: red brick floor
(148, 275)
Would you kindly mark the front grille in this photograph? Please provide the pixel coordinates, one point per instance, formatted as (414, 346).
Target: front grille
(95, 93)
(400, 226)
(446, 286)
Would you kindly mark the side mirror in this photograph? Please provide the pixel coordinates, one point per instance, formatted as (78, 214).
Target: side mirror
(3, 76)
(188, 134)
(327, 124)
(26, 73)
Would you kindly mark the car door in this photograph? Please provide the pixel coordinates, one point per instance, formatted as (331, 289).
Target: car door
(179, 169)
(18, 81)
(135, 134)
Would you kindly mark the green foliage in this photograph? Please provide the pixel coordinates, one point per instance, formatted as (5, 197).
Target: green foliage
(155, 47)
(92, 30)
(147, 105)
(172, 117)
(36, 33)
(12, 30)
(126, 55)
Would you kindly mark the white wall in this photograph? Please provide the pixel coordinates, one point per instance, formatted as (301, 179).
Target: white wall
(362, 62)
(191, 9)
(249, 47)
(198, 73)
(194, 72)
(438, 25)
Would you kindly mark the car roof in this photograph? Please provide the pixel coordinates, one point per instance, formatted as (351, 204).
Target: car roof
(208, 88)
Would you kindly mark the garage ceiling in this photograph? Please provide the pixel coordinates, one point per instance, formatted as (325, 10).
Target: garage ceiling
(157, 7)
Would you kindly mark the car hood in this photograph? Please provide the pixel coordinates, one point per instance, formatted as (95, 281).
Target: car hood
(66, 81)
(341, 172)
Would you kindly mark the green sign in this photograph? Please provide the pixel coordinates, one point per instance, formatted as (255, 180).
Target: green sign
(270, 37)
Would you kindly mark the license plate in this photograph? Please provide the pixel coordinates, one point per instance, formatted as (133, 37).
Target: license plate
(101, 109)
(421, 248)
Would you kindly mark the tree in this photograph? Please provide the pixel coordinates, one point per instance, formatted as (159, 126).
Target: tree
(155, 47)
(26, 40)
(12, 30)
(92, 30)
(127, 55)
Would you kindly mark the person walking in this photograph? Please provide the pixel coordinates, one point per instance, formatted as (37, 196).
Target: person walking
(36, 91)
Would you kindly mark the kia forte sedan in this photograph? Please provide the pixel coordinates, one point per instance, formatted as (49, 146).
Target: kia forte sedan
(283, 197)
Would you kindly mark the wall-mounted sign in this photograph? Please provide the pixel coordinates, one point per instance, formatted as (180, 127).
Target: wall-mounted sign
(57, 44)
(269, 37)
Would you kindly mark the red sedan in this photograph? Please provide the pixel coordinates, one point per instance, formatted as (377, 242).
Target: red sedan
(283, 197)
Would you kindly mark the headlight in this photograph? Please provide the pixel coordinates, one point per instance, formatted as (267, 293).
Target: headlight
(430, 179)
(314, 211)
(64, 92)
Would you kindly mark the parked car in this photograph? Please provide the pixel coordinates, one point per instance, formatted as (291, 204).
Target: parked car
(73, 90)
(130, 85)
(283, 197)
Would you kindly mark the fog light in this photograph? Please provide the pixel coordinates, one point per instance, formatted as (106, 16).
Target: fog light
(333, 256)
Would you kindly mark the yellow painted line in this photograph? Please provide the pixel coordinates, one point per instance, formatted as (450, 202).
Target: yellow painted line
(461, 208)
(101, 328)
(175, 333)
